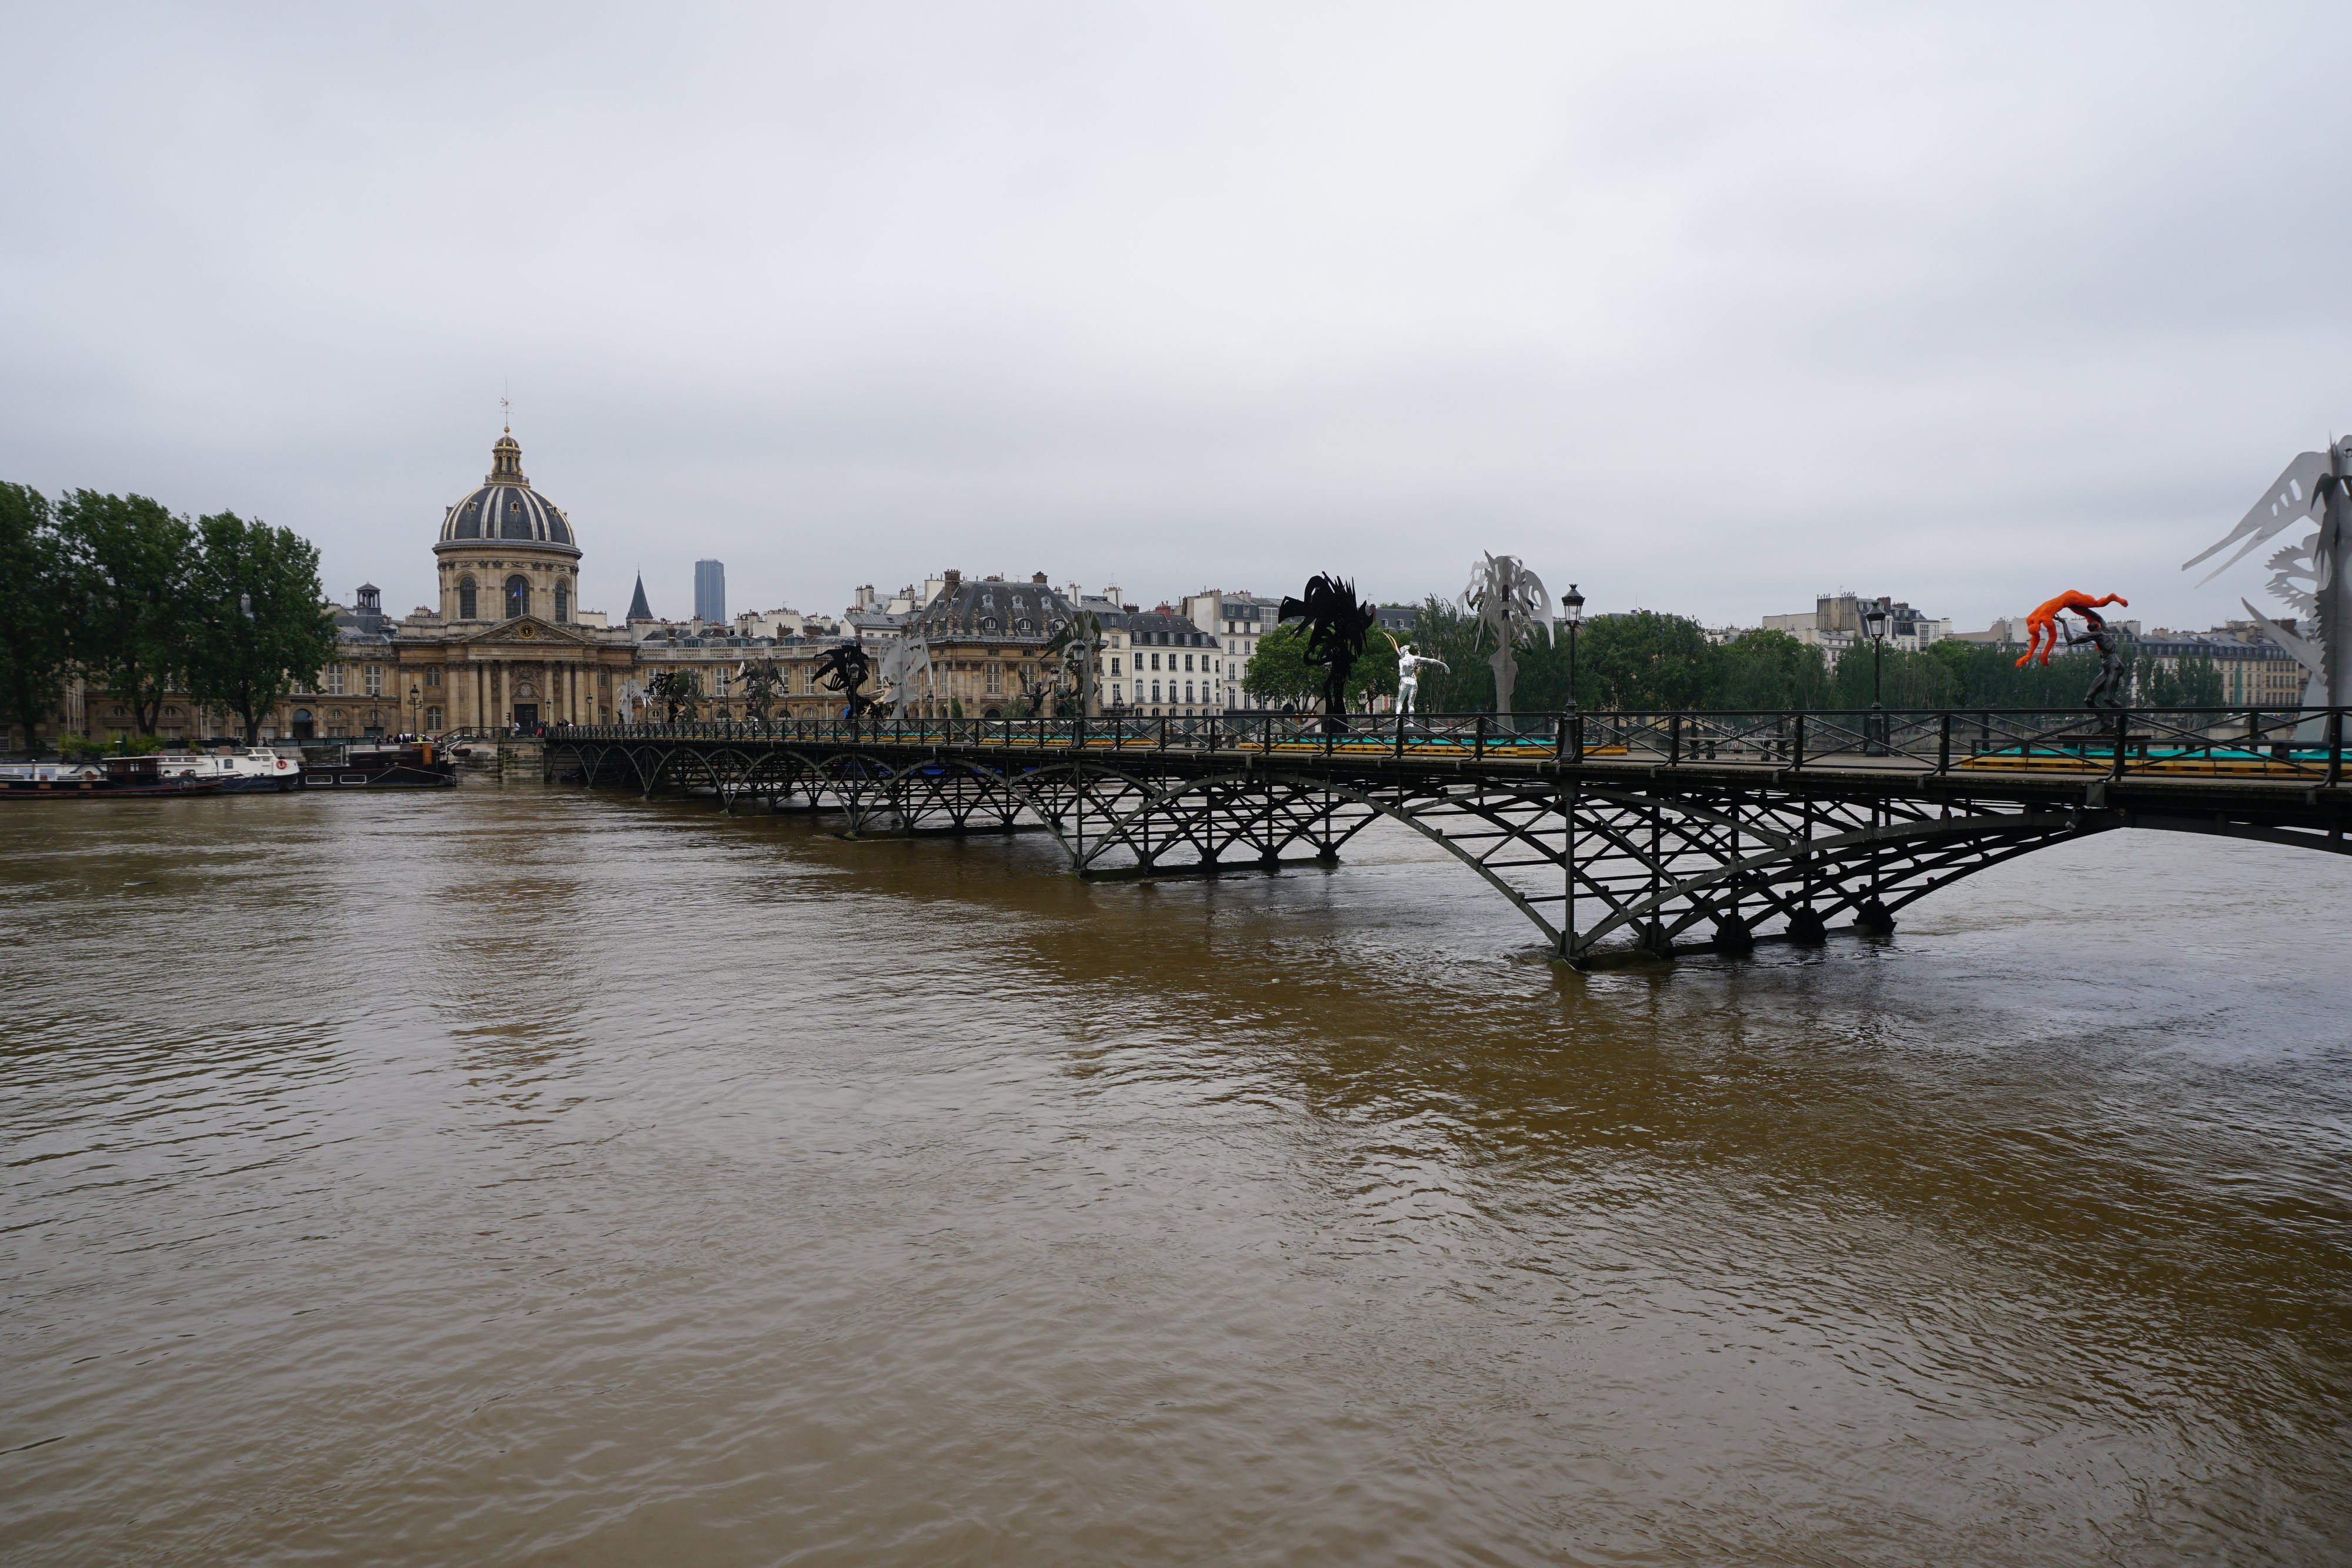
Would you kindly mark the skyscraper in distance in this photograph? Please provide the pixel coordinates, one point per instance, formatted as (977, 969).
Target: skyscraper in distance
(710, 590)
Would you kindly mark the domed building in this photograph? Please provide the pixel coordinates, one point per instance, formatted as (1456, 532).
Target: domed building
(511, 646)
(506, 549)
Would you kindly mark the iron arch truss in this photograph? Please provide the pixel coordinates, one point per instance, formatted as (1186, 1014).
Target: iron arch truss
(1600, 854)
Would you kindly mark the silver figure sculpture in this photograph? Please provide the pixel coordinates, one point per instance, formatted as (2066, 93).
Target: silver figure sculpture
(1510, 602)
(906, 661)
(1409, 665)
(1078, 641)
(2307, 574)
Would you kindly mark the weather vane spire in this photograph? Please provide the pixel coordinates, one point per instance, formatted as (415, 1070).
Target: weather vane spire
(505, 416)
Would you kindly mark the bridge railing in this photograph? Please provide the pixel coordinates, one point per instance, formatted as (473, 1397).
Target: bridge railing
(2303, 745)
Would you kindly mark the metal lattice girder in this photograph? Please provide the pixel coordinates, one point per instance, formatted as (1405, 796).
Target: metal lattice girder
(1590, 854)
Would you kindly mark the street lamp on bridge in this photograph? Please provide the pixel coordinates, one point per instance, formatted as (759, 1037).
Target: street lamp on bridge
(1571, 614)
(1874, 623)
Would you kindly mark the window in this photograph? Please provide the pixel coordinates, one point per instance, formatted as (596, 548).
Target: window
(563, 601)
(1115, 700)
(433, 718)
(1188, 664)
(1155, 691)
(1155, 661)
(467, 604)
(334, 680)
(1114, 663)
(1188, 690)
(604, 680)
(517, 596)
(433, 676)
(374, 680)
(995, 674)
(718, 683)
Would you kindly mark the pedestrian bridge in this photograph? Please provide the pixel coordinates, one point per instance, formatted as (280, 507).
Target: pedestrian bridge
(1614, 834)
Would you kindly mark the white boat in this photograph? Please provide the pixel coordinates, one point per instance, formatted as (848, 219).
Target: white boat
(239, 772)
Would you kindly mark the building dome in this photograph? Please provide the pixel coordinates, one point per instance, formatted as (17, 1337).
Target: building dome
(506, 508)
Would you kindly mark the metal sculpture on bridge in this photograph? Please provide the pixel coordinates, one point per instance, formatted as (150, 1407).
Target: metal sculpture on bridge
(1337, 622)
(1510, 602)
(2041, 629)
(762, 683)
(905, 661)
(2102, 637)
(1077, 641)
(679, 691)
(1409, 666)
(844, 668)
(2307, 574)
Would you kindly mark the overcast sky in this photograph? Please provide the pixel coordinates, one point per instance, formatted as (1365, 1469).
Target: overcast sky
(1705, 308)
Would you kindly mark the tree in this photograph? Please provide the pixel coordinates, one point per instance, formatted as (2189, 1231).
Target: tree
(132, 561)
(1903, 679)
(1441, 630)
(1646, 661)
(1278, 672)
(1767, 672)
(253, 600)
(34, 591)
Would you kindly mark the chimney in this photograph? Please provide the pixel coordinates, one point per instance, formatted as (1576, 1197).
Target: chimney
(953, 577)
(1038, 578)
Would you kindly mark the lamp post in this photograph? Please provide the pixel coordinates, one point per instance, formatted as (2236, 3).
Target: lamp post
(1874, 623)
(415, 703)
(1571, 610)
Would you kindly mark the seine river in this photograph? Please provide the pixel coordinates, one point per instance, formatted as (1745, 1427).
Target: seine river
(522, 1176)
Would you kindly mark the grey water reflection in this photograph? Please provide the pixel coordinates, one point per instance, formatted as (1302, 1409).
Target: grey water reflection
(532, 1177)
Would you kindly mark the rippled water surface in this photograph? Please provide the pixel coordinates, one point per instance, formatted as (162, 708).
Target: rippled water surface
(529, 1177)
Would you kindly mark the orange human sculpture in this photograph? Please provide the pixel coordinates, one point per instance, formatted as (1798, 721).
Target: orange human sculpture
(2042, 626)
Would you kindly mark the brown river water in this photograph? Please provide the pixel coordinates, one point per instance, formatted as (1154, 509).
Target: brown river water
(527, 1176)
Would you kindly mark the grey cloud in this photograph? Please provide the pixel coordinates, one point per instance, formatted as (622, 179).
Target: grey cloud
(1709, 309)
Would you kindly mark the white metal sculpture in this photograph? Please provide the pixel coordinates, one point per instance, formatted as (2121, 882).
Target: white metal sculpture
(1079, 643)
(2307, 574)
(1408, 664)
(905, 661)
(1510, 602)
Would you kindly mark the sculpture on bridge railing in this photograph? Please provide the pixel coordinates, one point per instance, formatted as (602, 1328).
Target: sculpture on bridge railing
(904, 663)
(1078, 641)
(2102, 636)
(2307, 574)
(679, 691)
(1335, 624)
(762, 681)
(844, 668)
(1409, 665)
(2042, 632)
(1510, 602)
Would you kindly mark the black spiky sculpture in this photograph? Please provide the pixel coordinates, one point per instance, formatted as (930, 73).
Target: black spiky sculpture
(1335, 624)
(845, 669)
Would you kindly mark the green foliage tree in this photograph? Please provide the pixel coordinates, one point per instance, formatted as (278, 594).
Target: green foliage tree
(1278, 672)
(253, 608)
(34, 589)
(1647, 661)
(132, 561)
(1767, 671)
(1903, 679)
(1441, 630)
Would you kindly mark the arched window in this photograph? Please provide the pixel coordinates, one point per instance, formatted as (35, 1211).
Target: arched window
(468, 605)
(563, 601)
(517, 596)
